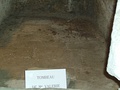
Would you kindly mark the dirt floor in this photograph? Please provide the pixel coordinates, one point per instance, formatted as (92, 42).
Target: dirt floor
(54, 43)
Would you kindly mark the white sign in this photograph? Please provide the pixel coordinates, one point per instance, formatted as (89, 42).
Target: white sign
(54, 78)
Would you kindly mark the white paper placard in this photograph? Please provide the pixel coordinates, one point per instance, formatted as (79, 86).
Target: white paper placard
(52, 78)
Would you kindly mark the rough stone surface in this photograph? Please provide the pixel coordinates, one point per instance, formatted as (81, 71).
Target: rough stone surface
(101, 11)
(4, 9)
(56, 43)
(30, 38)
(80, 7)
(105, 13)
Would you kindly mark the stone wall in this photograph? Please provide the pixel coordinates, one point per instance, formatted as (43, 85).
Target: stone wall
(4, 9)
(39, 5)
(104, 15)
(76, 7)
(101, 11)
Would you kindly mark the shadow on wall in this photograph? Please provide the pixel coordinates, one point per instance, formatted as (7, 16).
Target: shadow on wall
(4, 9)
(108, 39)
(79, 7)
(105, 10)
(111, 24)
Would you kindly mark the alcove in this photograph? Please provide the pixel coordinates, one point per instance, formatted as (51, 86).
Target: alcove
(55, 34)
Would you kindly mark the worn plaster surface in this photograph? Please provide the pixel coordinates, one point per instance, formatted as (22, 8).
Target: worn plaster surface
(4, 9)
(53, 43)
